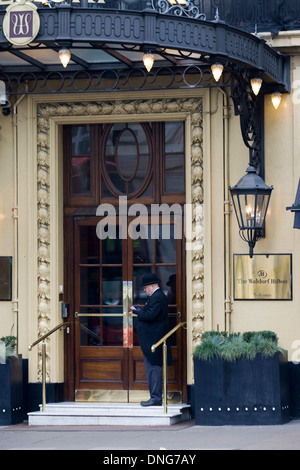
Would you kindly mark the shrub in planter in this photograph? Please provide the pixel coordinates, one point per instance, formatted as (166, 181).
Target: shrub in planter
(241, 378)
(11, 383)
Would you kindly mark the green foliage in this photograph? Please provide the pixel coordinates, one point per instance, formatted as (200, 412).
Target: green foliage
(10, 344)
(210, 347)
(9, 341)
(233, 346)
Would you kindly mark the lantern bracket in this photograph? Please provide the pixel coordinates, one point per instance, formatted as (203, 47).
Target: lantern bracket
(250, 109)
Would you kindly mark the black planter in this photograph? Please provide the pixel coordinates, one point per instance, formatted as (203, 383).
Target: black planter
(243, 392)
(11, 391)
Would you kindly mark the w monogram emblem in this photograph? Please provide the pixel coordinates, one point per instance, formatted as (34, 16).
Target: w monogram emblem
(21, 24)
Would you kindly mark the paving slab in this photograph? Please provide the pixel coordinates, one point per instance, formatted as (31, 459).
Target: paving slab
(182, 437)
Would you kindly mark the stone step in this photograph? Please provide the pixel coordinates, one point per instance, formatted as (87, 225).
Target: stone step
(113, 414)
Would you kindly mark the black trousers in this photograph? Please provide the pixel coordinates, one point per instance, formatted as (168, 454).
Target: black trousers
(154, 379)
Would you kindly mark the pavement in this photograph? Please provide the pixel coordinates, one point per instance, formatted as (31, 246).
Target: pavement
(186, 438)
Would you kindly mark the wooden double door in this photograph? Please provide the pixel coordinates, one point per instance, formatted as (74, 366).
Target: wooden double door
(106, 258)
(107, 281)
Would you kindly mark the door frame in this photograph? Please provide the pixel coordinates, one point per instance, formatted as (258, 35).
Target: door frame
(45, 170)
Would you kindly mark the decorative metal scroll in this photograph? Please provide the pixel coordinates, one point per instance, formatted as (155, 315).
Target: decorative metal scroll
(256, 15)
(189, 9)
(192, 76)
(250, 109)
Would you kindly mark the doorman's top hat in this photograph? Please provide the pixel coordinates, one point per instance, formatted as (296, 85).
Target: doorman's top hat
(148, 279)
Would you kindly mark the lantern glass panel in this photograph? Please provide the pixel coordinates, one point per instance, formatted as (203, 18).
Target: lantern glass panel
(250, 210)
(238, 210)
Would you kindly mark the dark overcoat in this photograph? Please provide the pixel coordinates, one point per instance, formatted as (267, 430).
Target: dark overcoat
(152, 325)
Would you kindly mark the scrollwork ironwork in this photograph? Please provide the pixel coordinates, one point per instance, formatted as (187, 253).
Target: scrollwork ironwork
(188, 9)
(250, 109)
(89, 81)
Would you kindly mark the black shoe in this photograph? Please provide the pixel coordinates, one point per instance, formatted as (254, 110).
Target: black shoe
(151, 402)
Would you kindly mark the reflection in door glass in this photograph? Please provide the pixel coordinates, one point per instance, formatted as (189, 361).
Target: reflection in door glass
(143, 246)
(90, 332)
(111, 292)
(112, 250)
(112, 327)
(174, 157)
(80, 162)
(140, 295)
(166, 274)
(165, 244)
(101, 330)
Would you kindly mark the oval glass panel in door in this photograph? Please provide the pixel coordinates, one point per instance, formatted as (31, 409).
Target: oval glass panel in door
(127, 163)
(127, 160)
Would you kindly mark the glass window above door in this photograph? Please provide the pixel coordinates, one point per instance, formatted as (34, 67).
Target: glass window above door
(144, 161)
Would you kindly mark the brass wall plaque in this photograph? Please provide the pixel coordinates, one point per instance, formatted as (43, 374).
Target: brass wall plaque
(263, 277)
(5, 277)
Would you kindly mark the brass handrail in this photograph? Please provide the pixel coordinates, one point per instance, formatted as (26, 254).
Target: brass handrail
(77, 315)
(42, 338)
(154, 346)
(63, 324)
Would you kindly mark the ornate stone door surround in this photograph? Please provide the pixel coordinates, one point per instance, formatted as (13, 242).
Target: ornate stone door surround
(46, 184)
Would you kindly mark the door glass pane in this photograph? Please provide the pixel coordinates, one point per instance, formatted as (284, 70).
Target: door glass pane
(165, 244)
(143, 247)
(111, 287)
(80, 160)
(139, 296)
(171, 286)
(111, 251)
(89, 245)
(89, 285)
(112, 327)
(127, 159)
(174, 157)
(164, 273)
(89, 332)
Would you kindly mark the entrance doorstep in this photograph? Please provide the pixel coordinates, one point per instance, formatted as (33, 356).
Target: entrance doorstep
(120, 396)
(113, 414)
(54, 393)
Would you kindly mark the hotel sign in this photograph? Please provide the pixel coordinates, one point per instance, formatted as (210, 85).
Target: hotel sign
(21, 23)
(263, 277)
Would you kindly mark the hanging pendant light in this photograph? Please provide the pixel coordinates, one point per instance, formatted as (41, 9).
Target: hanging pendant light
(256, 84)
(148, 59)
(64, 56)
(217, 70)
(276, 99)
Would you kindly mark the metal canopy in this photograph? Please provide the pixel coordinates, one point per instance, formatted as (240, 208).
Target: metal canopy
(108, 45)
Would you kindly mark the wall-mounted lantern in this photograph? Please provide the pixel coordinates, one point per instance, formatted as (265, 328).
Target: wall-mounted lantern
(251, 197)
